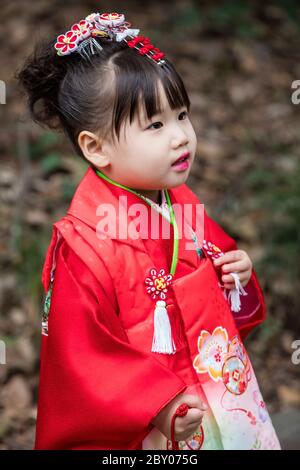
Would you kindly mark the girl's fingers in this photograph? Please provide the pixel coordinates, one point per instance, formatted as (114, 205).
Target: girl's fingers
(230, 257)
(238, 266)
(230, 280)
(195, 416)
(232, 285)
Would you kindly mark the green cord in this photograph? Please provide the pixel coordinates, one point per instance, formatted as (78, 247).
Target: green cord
(175, 228)
(172, 216)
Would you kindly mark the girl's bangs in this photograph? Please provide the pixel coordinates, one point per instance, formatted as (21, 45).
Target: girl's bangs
(137, 91)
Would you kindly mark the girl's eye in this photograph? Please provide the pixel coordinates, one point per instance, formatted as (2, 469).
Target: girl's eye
(184, 112)
(155, 123)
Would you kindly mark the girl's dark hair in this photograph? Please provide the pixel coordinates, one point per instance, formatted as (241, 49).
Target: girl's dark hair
(74, 94)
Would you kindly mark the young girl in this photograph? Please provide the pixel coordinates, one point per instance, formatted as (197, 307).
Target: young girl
(144, 315)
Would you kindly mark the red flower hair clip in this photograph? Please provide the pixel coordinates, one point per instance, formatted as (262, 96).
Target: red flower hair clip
(82, 37)
(147, 49)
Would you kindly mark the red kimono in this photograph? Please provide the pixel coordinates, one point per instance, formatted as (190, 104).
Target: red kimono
(100, 383)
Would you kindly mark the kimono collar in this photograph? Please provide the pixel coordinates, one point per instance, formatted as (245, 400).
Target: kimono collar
(94, 191)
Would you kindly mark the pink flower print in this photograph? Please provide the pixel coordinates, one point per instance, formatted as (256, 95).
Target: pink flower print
(223, 360)
(218, 354)
(234, 375)
(262, 409)
(252, 418)
(81, 29)
(157, 284)
(212, 250)
(194, 443)
(212, 353)
(66, 43)
(236, 348)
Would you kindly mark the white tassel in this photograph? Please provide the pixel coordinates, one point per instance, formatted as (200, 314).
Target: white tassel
(162, 337)
(234, 294)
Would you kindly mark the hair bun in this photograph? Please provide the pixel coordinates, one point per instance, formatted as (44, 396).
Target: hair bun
(40, 77)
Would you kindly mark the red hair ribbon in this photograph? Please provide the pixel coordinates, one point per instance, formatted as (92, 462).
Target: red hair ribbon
(146, 48)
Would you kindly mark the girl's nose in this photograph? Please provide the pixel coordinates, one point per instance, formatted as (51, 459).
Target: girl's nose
(180, 138)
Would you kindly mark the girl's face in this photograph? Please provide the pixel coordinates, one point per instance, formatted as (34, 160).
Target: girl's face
(143, 157)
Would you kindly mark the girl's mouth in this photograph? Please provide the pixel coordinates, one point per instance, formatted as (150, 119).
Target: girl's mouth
(182, 163)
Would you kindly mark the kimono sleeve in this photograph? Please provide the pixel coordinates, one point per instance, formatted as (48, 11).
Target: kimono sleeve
(96, 390)
(253, 308)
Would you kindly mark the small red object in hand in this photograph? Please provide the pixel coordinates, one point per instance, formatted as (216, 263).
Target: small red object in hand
(181, 411)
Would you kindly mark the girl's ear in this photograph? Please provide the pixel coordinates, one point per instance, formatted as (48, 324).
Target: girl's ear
(92, 147)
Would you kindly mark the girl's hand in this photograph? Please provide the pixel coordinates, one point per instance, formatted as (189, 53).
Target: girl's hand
(185, 426)
(234, 261)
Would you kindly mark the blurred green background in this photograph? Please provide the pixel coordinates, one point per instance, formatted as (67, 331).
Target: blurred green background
(238, 61)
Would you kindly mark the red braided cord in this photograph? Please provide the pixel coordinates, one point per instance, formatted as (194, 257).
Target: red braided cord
(146, 47)
(181, 411)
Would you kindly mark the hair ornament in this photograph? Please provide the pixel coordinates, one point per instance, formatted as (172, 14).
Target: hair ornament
(82, 36)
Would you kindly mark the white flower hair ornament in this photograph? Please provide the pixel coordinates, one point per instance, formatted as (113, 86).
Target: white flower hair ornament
(82, 36)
